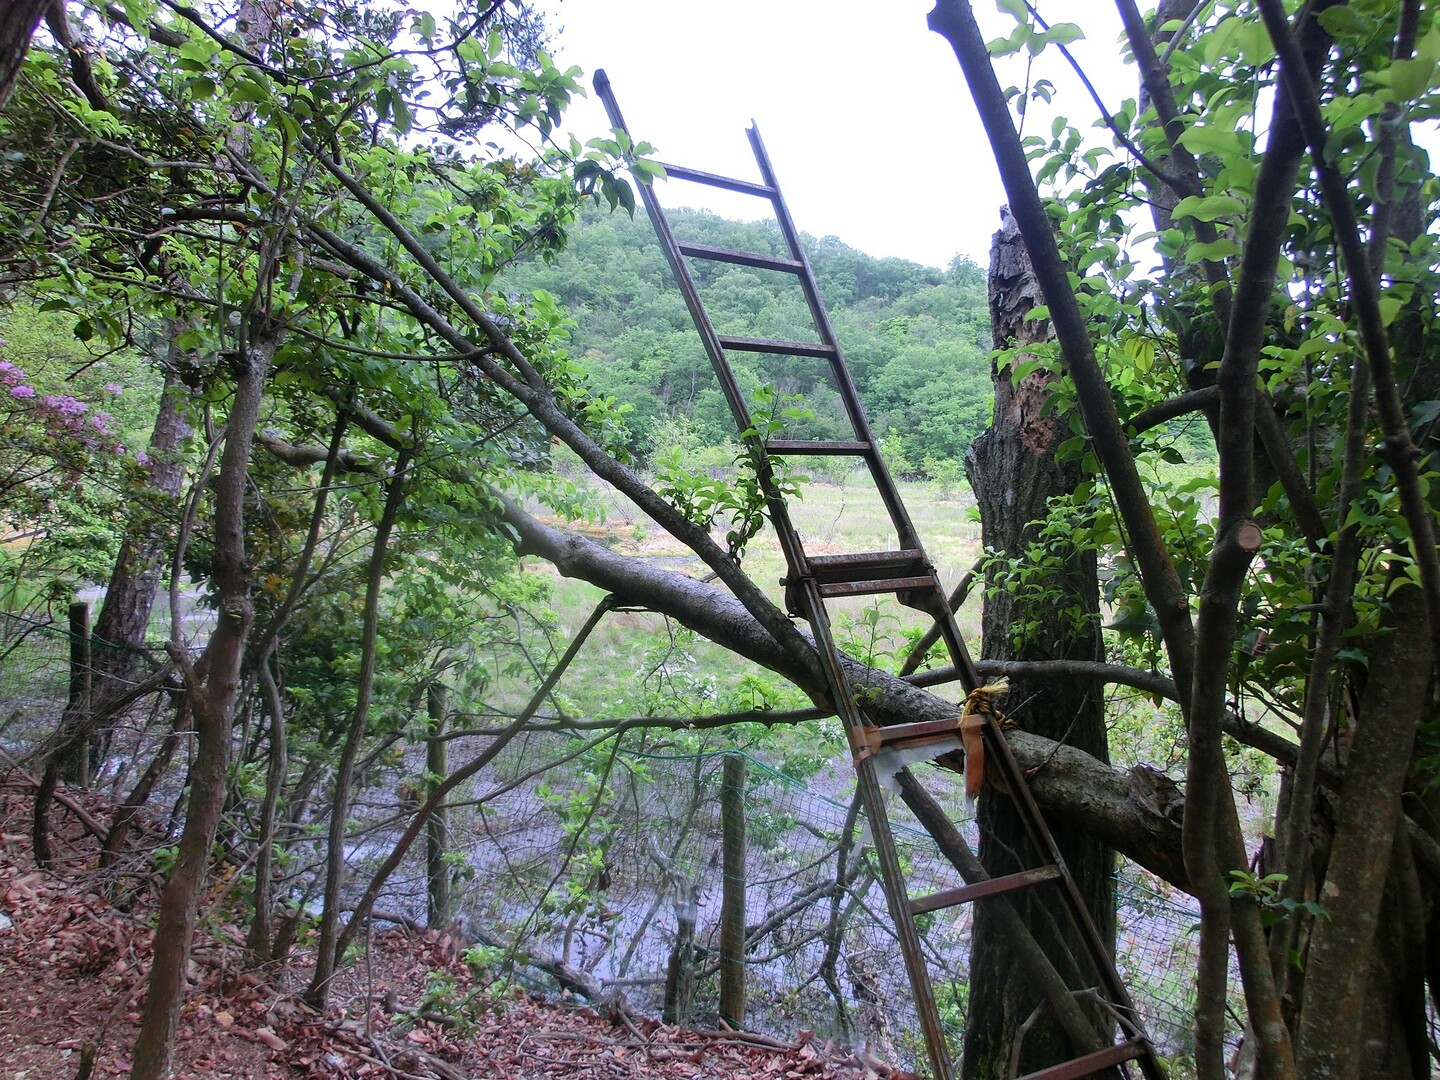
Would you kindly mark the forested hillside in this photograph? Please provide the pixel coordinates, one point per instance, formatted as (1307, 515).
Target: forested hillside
(918, 339)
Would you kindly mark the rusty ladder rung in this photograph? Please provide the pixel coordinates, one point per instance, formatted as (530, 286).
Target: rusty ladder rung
(1090, 1064)
(864, 564)
(877, 585)
(740, 258)
(818, 448)
(997, 886)
(696, 176)
(777, 347)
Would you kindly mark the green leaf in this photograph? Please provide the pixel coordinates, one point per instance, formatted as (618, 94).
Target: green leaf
(1214, 251)
(1409, 79)
(1010, 44)
(248, 90)
(1064, 33)
(1208, 207)
(403, 117)
(1345, 21)
(1210, 139)
(1256, 48)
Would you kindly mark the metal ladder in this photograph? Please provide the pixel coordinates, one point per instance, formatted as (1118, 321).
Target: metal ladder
(909, 575)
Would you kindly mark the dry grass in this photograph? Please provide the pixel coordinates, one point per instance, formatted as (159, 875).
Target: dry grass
(620, 658)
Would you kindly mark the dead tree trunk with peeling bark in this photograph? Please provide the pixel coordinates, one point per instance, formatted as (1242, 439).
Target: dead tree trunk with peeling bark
(1015, 474)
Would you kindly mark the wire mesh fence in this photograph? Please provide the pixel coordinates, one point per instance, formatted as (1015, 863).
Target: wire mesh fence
(34, 662)
(610, 860)
(614, 860)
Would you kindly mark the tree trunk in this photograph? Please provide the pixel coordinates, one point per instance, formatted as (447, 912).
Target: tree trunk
(212, 699)
(1333, 1035)
(18, 20)
(1013, 470)
(76, 769)
(261, 936)
(124, 619)
(331, 944)
(125, 612)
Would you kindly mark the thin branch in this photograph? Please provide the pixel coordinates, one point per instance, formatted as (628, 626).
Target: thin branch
(1182, 183)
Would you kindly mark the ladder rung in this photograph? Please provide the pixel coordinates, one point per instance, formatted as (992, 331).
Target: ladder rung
(866, 564)
(878, 585)
(981, 889)
(868, 741)
(815, 447)
(744, 187)
(740, 258)
(1091, 1063)
(919, 732)
(776, 346)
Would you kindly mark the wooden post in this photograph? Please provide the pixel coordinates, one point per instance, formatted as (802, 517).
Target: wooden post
(732, 892)
(77, 769)
(680, 976)
(437, 829)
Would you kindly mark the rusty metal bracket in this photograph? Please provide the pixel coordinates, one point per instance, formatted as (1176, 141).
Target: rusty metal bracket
(864, 742)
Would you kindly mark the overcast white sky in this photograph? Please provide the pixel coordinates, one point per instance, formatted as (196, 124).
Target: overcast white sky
(862, 108)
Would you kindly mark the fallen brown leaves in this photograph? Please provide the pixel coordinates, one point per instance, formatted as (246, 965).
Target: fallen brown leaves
(72, 977)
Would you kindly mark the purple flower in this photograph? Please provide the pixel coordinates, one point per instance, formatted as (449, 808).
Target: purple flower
(101, 422)
(142, 458)
(22, 391)
(113, 388)
(64, 404)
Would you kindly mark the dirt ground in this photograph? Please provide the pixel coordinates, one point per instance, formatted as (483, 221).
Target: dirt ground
(75, 949)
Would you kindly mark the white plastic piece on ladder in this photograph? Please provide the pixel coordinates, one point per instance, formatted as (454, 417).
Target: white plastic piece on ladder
(890, 760)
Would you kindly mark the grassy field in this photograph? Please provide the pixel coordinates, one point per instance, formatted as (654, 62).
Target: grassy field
(635, 662)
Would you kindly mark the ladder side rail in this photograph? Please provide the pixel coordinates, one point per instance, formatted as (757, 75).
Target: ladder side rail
(810, 604)
(873, 797)
(780, 515)
(959, 651)
(845, 382)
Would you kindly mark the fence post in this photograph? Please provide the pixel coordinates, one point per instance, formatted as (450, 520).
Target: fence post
(732, 892)
(78, 705)
(680, 975)
(437, 829)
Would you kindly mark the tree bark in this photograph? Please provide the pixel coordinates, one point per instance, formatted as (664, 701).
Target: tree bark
(1339, 991)
(1015, 474)
(212, 699)
(125, 612)
(260, 938)
(18, 20)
